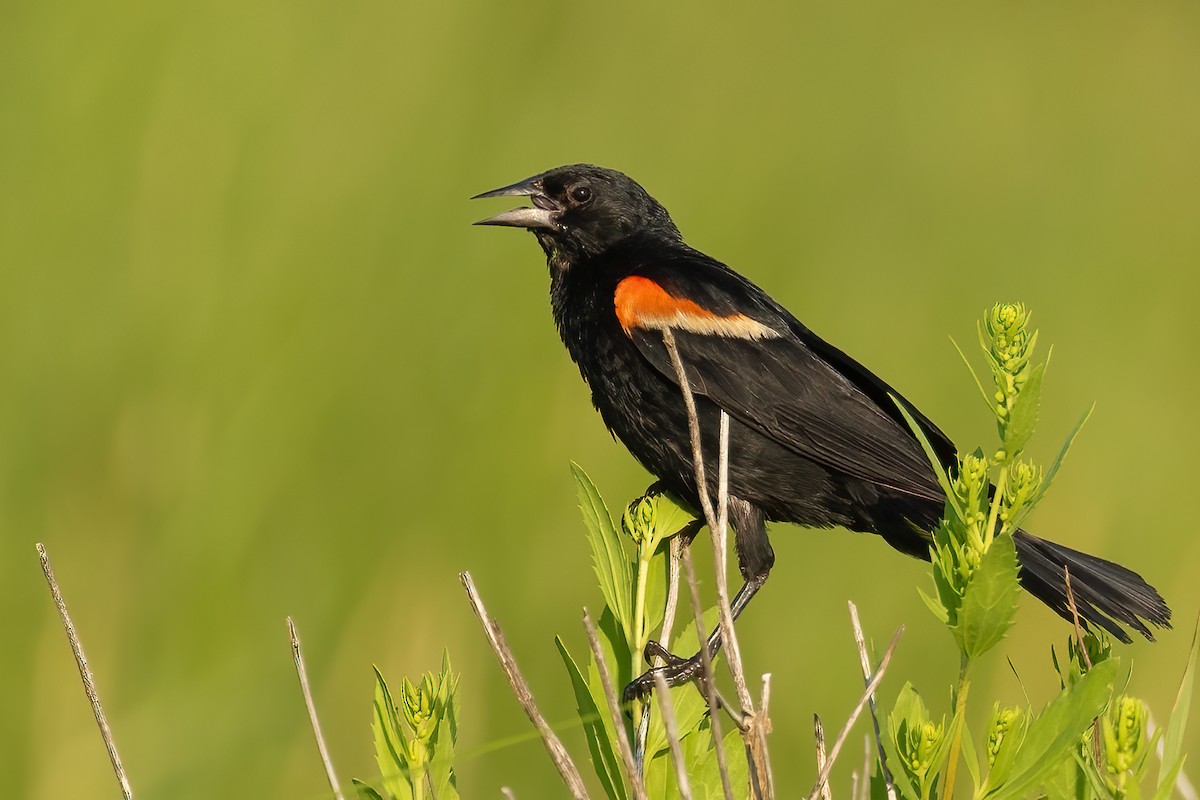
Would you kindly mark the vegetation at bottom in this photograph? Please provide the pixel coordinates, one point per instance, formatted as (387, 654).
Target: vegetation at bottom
(1093, 741)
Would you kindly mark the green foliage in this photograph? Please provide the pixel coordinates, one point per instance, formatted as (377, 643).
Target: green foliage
(1083, 744)
(633, 586)
(414, 739)
(1090, 742)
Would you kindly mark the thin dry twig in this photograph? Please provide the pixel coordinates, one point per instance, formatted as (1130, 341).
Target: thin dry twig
(1097, 735)
(763, 722)
(823, 777)
(718, 519)
(302, 673)
(861, 641)
(822, 759)
(554, 746)
(85, 674)
(1075, 617)
(614, 709)
(708, 685)
(667, 710)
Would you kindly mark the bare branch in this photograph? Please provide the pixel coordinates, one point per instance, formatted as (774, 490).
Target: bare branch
(1075, 617)
(614, 709)
(668, 714)
(554, 746)
(85, 674)
(864, 659)
(302, 673)
(823, 777)
(822, 759)
(708, 685)
(718, 519)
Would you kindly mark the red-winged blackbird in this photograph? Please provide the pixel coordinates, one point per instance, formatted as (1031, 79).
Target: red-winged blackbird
(815, 438)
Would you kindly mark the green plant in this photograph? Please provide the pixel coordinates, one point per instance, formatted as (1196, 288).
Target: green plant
(1056, 750)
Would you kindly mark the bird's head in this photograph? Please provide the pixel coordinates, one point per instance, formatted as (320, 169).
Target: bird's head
(581, 211)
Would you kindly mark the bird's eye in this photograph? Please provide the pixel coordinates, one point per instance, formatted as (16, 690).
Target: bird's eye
(581, 194)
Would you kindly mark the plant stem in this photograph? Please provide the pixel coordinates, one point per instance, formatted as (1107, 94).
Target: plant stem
(997, 498)
(960, 720)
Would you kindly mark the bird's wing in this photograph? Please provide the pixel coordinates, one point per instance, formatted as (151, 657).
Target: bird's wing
(753, 359)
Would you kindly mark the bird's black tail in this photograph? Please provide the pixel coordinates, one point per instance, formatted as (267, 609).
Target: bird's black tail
(1106, 594)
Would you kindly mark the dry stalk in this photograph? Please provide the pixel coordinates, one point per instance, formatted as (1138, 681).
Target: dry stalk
(717, 519)
(554, 746)
(823, 777)
(667, 710)
(822, 759)
(614, 710)
(85, 674)
(861, 641)
(709, 684)
(302, 673)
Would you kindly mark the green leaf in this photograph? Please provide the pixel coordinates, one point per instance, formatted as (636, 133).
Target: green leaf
(970, 757)
(706, 781)
(990, 600)
(441, 768)
(1057, 730)
(600, 743)
(671, 514)
(987, 398)
(1015, 522)
(1024, 416)
(939, 470)
(935, 606)
(609, 557)
(363, 790)
(391, 751)
(1172, 757)
(1166, 786)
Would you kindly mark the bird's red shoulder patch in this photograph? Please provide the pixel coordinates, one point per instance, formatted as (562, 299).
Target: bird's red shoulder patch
(642, 303)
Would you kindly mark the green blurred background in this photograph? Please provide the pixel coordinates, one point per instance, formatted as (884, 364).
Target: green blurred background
(255, 362)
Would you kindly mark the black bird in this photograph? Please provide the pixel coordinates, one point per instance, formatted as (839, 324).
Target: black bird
(815, 438)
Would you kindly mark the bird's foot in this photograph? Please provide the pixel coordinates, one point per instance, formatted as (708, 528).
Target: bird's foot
(675, 670)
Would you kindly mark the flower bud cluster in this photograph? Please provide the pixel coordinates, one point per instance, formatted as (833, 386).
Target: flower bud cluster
(1125, 740)
(638, 522)
(1008, 344)
(1007, 726)
(1024, 482)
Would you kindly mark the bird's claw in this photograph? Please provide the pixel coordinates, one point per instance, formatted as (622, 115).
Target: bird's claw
(676, 671)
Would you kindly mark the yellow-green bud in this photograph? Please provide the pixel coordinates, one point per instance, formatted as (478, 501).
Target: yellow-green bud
(638, 521)
(1004, 724)
(1124, 739)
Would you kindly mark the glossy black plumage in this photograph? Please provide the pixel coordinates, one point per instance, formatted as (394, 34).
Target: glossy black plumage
(815, 437)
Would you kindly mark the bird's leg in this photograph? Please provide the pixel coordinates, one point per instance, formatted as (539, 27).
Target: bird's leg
(755, 558)
(678, 670)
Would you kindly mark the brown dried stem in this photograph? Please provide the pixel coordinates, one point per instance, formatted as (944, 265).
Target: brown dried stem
(708, 684)
(667, 710)
(822, 758)
(752, 732)
(614, 710)
(302, 673)
(85, 674)
(823, 777)
(554, 746)
(861, 641)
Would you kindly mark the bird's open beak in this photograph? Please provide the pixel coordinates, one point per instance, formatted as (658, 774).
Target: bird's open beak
(543, 215)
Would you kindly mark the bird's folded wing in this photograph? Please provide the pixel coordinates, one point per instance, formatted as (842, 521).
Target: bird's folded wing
(746, 356)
